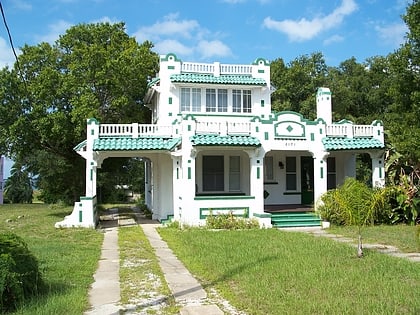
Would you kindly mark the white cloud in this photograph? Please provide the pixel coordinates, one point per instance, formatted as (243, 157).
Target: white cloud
(6, 54)
(55, 30)
(170, 26)
(333, 39)
(183, 37)
(173, 46)
(22, 5)
(303, 29)
(393, 34)
(214, 48)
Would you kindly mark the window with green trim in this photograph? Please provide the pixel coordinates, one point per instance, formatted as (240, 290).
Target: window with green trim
(331, 173)
(291, 176)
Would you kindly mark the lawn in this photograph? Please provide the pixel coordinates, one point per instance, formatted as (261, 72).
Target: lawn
(404, 237)
(277, 272)
(68, 258)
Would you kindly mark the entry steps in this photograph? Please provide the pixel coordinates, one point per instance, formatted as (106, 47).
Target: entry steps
(294, 219)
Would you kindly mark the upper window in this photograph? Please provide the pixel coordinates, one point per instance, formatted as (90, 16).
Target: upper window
(215, 100)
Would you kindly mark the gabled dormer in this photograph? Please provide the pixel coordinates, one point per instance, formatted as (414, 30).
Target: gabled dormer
(210, 89)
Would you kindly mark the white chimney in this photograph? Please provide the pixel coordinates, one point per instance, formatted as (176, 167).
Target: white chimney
(323, 105)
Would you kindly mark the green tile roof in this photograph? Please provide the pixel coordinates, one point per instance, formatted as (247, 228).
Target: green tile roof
(336, 143)
(129, 144)
(216, 140)
(222, 79)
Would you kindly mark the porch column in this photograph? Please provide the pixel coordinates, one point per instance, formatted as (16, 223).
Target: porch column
(320, 175)
(177, 186)
(188, 214)
(91, 169)
(378, 169)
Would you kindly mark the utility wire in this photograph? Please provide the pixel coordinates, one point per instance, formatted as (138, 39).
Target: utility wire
(10, 37)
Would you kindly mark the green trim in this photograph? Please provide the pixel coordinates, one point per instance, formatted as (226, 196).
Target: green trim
(189, 172)
(262, 103)
(87, 198)
(271, 183)
(92, 132)
(80, 216)
(242, 212)
(92, 120)
(189, 127)
(258, 172)
(321, 172)
(261, 71)
(261, 61)
(219, 197)
(291, 127)
(292, 193)
(266, 135)
(171, 67)
(262, 215)
(177, 173)
(91, 174)
(312, 136)
(216, 115)
(170, 100)
(168, 56)
(380, 172)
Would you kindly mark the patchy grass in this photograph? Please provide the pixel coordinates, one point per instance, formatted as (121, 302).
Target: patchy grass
(404, 237)
(143, 286)
(67, 257)
(276, 272)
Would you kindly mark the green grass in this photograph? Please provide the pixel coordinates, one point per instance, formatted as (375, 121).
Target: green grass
(402, 236)
(276, 272)
(141, 279)
(68, 258)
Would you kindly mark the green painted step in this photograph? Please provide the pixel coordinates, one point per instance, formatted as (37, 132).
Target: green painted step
(168, 219)
(295, 219)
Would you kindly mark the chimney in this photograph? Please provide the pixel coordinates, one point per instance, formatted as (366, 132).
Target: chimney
(323, 105)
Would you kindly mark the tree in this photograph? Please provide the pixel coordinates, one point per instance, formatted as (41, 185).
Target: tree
(298, 82)
(18, 187)
(93, 70)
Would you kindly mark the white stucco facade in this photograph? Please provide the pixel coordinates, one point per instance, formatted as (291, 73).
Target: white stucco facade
(215, 146)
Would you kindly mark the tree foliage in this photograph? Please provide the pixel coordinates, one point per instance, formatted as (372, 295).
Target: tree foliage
(93, 70)
(18, 187)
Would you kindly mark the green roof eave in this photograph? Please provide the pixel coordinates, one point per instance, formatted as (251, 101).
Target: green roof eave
(341, 143)
(212, 79)
(228, 140)
(135, 144)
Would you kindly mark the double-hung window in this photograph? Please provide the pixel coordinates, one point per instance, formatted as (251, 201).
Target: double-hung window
(210, 100)
(217, 169)
(190, 99)
(241, 101)
(222, 100)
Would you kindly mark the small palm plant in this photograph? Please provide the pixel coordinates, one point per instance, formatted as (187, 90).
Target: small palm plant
(353, 204)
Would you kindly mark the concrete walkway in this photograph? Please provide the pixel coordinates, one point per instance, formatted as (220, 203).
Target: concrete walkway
(104, 295)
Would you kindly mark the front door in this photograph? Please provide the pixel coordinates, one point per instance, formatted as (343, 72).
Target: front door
(307, 179)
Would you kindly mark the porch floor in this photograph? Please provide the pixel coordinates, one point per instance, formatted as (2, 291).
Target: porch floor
(288, 208)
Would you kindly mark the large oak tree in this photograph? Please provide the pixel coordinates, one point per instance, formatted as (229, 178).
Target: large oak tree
(93, 70)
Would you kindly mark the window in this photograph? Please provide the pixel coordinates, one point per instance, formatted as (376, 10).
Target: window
(222, 100)
(210, 100)
(236, 101)
(234, 173)
(268, 168)
(246, 101)
(291, 183)
(213, 173)
(196, 100)
(331, 173)
(241, 101)
(185, 100)
(190, 99)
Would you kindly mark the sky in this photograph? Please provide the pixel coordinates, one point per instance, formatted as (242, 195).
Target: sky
(228, 31)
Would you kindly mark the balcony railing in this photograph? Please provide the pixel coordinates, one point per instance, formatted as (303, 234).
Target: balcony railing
(216, 68)
(135, 130)
(350, 131)
(223, 128)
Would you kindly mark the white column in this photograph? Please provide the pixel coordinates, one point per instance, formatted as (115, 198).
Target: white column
(378, 169)
(320, 175)
(91, 169)
(177, 186)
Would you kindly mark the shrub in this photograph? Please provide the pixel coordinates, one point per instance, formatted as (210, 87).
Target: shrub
(230, 222)
(20, 277)
(354, 203)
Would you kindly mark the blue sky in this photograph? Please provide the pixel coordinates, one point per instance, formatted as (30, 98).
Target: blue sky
(229, 31)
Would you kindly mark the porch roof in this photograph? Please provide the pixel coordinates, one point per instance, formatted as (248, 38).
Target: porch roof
(340, 143)
(231, 140)
(221, 79)
(130, 144)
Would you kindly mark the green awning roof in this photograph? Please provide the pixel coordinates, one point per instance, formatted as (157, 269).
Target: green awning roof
(222, 79)
(130, 144)
(337, 143)
(217, 140)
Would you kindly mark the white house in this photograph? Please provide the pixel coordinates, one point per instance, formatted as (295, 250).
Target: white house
(215, 146)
